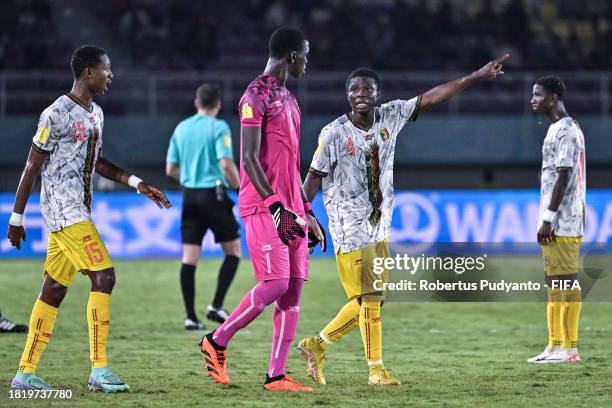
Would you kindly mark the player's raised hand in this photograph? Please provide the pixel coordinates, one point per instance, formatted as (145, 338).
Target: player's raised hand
(16, 234)
(155, 194)
(493, 68)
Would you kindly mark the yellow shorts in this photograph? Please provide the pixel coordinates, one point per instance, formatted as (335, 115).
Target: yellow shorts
(562, 257)
(356, 270)
(77, 248)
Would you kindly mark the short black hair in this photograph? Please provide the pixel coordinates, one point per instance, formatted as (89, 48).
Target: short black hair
(285, 40)
(552, 84)
(364, 72)
(208, 95)
(86, 56)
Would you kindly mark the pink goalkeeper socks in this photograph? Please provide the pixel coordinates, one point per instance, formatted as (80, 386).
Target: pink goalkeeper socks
(286, 316)
(251, 306)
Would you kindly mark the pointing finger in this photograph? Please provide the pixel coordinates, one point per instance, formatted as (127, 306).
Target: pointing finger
(502, 58)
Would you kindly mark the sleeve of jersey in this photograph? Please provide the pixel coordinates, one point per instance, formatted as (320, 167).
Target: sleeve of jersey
(47, 134)
(223, 141)
(565, 152)
(173, 155)
(410, 108)
(400, 111)
(322, 159)
(252, 109)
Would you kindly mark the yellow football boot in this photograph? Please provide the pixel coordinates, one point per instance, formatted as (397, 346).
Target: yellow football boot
(380, 376)
(314, 355)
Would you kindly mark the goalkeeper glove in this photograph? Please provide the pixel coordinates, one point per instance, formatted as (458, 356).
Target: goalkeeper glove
(288, 224)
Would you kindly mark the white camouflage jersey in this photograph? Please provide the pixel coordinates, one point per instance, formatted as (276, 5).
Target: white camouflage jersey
(564, 147)
(72, 137)
(357, 170)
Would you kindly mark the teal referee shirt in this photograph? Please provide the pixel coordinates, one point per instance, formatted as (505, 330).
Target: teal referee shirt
(196, 146)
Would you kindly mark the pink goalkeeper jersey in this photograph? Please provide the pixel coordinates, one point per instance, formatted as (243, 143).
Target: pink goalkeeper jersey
(269, 104)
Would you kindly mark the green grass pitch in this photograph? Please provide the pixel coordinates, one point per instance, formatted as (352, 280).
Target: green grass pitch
(446, 354)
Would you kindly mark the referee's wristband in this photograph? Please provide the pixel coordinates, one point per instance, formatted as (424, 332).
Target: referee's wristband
(549, 215)
(16, 219)
(133, 182)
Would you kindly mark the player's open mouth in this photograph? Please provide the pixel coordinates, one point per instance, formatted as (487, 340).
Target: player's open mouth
(362, 105)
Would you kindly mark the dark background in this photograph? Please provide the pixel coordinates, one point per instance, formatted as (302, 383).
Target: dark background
(161, 51)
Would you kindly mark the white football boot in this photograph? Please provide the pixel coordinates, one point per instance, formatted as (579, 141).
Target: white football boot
(567, 355)
(548, 351)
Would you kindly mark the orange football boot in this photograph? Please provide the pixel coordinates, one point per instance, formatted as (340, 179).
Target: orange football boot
(286, 384)
(214, 361)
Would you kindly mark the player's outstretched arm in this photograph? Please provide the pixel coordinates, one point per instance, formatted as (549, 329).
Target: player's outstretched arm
(16, 232)
(111, 171)
(443, 92)
(546, 233)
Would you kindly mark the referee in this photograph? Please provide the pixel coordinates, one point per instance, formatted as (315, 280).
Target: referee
(200, 158)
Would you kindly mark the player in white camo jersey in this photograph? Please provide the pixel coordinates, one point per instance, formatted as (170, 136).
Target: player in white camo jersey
(71, 135)
(563, 152)
(561, 220)
(67, 149)
(354, 165)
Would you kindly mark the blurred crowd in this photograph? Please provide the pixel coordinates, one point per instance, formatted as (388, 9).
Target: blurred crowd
(29, 38)
(385, 34)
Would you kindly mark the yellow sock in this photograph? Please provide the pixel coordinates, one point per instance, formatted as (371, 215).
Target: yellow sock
(98, 320)
(553, 309)
(570, 312)
(42, 320)
(346, 320)
(371, 331)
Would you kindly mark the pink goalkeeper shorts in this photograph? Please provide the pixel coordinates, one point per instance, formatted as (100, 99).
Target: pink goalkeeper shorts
(270, 257)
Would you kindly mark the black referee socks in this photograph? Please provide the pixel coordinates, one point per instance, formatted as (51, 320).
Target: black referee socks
(188, 289)
(226, 276)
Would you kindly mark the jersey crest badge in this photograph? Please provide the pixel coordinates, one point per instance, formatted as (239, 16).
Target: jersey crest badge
(384, 134)
(247, 111)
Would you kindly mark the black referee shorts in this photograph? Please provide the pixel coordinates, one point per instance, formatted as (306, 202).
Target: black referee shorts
(202, 211)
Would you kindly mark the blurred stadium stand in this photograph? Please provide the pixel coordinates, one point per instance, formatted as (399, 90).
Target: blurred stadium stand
(386, 34)
(161, 51)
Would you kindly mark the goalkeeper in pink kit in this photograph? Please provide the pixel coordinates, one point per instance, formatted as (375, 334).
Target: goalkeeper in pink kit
(274, 209)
